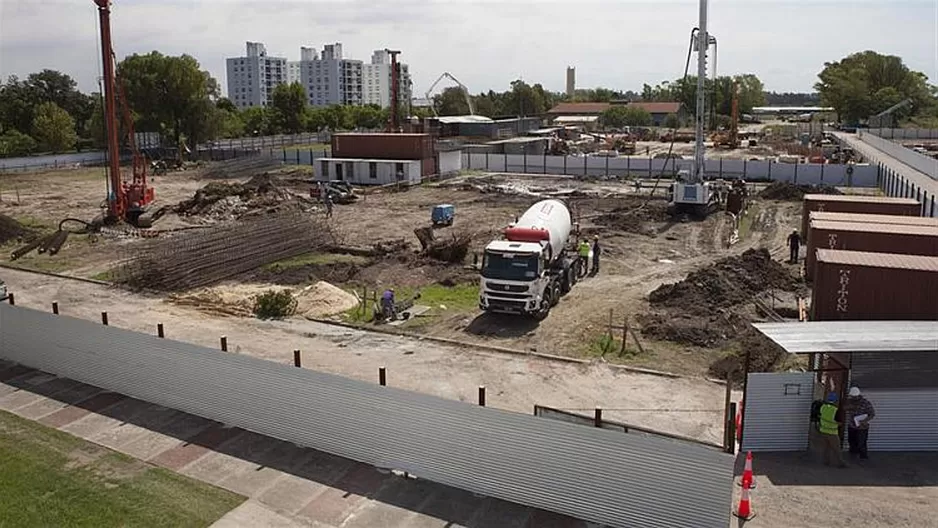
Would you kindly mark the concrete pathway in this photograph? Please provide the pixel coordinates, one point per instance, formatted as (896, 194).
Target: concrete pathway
(287, 485)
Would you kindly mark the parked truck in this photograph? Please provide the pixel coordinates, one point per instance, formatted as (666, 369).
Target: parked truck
(528, 270)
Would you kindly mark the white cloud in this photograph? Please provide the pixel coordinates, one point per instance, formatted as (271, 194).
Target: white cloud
(486, 44)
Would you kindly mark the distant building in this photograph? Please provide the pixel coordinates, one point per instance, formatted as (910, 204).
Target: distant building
(328, 79)
(571, 82)
(660, 110)
(253, 77)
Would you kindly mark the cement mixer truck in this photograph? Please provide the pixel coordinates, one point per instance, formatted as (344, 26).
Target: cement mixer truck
(528, 270)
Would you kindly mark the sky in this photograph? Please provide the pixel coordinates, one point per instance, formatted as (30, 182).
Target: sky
(486, 44)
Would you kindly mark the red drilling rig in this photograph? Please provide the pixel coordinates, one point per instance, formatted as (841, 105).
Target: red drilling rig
(126, 201)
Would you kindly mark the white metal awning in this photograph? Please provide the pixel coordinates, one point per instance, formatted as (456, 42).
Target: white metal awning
(853, 336)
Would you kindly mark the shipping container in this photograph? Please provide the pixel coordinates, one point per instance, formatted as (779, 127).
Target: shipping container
(840, 203)
(862, 286)
(827, 216)
(383, 146)
(874, 238)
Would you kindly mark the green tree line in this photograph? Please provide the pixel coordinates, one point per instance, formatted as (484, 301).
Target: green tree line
(45, 112)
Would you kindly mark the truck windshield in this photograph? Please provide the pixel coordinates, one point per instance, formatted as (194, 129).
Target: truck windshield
(510, 266)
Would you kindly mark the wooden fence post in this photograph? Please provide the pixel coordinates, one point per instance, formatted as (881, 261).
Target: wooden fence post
(382, 376)
(55, 307)
(224, 343)
(296, 358)
(598, 417)
(481, 395)
(104, 318)
(159, 330)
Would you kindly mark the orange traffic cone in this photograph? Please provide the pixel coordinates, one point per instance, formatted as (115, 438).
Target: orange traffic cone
(748, 481)
(744, 510)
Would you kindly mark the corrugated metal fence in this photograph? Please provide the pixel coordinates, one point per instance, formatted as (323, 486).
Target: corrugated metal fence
(589, 473)
(906, 420)
(777, 411)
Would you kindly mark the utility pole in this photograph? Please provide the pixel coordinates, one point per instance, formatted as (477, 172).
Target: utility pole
(394, 122)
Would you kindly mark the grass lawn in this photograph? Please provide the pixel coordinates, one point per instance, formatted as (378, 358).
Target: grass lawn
(314, 259)
(441, 300)
(50, 478)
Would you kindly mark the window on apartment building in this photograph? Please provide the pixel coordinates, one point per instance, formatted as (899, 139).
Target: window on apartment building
(373, 170)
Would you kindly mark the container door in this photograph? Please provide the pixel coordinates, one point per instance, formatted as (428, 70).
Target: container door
(338, 172)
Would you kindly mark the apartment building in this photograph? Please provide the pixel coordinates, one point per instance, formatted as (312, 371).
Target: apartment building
(253, 77)
(377, 80)
(328, 78)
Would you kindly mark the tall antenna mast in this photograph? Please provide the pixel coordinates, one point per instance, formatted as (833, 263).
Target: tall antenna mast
(703, 43)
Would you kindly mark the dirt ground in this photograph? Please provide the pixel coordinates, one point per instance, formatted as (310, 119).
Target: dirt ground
(513, 382)
(643, 248)
(889, 490)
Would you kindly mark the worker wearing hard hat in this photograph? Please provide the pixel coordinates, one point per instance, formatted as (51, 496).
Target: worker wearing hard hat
(596, 251)
(829, 428)
(584, 253)
(858, 412)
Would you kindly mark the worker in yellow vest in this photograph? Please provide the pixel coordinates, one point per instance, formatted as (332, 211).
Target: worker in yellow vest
(584, 253)
(829, 428)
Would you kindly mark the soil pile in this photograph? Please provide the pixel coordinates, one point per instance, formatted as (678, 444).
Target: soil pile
(726, 283)
(635, 219)
(221, 201)
(317, 300)
(793, 192)
(10, 229)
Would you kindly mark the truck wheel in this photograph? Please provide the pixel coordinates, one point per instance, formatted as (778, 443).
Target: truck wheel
(554, 294)
(546, 302)
(565, 284)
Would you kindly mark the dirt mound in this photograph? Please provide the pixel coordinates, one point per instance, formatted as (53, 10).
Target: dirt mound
(634, 219)
(726, 283)
(791, 191)
(10, 229)
(334, 272)
(317, 300)
(764, 356)
(262, 193)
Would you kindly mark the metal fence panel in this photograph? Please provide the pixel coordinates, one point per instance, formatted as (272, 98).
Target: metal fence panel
(589, 473)
(906, 419)
(777, 411)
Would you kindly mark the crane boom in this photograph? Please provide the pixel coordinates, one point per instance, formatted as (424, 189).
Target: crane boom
(465, 90)
(703, 42)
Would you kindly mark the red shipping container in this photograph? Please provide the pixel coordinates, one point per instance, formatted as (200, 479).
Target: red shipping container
(826, 216)
(855, 285)
(839, 203)
(874, 238)
(382, 146)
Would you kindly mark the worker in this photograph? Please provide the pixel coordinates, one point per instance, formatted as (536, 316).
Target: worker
(794, 245)
(387, 304)
(596, 251)
(858, 412)
(584, 253)
(828, 426)
(327, 198)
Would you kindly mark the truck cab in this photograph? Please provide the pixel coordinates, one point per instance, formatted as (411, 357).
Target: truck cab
(512, 277)
(3, 290)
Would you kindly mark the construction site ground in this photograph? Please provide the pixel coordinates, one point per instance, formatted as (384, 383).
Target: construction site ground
(643, 247)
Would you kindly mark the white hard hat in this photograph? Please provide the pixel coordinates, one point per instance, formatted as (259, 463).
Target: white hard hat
(854, 391)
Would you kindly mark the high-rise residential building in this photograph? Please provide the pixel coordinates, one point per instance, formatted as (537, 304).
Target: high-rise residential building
(328, 78)
(253, 77)
(377, 80)
(571, 82)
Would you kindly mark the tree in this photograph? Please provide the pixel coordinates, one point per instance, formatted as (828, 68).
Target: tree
(289, 105)
(225, 104)
(257, 120)
(54, 128)
(168, 94)
(672, 121)
(863, 84)
(15, 143)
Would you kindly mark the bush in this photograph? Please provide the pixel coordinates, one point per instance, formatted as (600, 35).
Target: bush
(16, 143)
(274, 304)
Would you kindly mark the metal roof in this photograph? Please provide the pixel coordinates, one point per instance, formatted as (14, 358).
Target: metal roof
(579, 108)
(853, 336)
(878, 260)
(576, 119)
(857, 198)
(464, 119)
(659, 107)
(875, 228)
(831, 216)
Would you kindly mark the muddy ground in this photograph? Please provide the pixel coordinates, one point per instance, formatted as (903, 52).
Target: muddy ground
(643, 248)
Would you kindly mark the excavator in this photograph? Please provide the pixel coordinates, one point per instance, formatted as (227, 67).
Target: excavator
(126, 201)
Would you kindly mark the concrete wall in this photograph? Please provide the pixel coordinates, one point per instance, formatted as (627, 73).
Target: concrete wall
(634, 166)
(359, 172)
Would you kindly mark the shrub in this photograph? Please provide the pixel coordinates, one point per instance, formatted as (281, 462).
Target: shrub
(274, 304)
